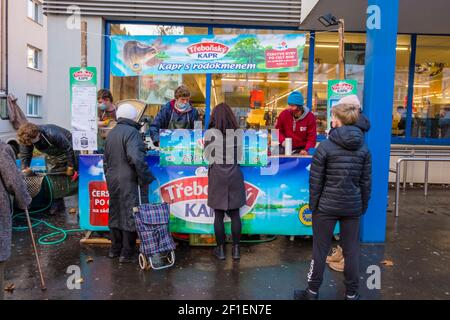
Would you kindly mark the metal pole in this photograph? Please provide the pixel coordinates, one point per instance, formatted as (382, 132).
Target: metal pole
(397, 186)
(341, 61)
(427, 165)
(405, 175)
(83, 44)
(43, 287)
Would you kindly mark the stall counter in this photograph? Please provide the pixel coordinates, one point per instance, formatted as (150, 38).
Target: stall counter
(277, 196)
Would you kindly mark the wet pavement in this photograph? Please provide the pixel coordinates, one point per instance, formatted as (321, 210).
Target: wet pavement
(418, 244)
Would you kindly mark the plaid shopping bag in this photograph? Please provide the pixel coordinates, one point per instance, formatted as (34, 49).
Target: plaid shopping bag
(152, 225)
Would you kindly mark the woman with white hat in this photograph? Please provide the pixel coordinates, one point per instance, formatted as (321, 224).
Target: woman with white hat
(125, 168)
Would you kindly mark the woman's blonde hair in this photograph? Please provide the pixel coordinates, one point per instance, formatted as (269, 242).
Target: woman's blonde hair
(348, 114)
(27, 133)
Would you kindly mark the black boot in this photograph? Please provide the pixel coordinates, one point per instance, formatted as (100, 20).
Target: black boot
(219, 252)
(113, 253)
(305, 295)
(236, 252)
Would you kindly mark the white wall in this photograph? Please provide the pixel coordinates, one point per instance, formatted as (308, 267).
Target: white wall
(64, 52)
(439, 172)
(21, 79)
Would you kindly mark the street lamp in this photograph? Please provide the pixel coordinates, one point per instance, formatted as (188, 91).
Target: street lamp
(329, 20)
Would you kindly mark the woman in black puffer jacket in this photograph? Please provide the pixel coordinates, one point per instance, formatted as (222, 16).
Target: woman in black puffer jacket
(340, 186)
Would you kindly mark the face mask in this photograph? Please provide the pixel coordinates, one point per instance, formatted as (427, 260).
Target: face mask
(102, 107)
(182, 106)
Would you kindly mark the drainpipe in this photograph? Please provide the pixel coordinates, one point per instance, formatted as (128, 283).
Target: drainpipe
(6, 47)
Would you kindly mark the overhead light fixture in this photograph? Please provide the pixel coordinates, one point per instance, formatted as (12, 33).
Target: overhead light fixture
(328, 20)
(249, 80)
(279, 81)
(286, 94)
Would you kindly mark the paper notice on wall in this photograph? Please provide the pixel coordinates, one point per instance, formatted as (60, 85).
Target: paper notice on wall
(84, 124)
(84, 140)
(83, 103)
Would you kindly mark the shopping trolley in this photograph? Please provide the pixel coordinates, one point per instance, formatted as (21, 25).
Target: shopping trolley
(152, 225)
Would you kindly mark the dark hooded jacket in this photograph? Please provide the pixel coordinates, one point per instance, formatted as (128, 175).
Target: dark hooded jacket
(162, 119)
(340, 177)
(125, 167)
(55, 142)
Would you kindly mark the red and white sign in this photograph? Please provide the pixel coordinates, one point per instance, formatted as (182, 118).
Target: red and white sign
(207, 50)
(98, 203)
(83, 75)
(281, 58)
(342, 88)
(188, 199)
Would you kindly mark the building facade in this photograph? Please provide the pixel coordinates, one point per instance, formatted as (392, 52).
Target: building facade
(24, 59)
(421, 104)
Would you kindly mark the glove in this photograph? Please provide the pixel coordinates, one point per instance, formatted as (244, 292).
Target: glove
(27, 172)
(69, 171)
(75, 176)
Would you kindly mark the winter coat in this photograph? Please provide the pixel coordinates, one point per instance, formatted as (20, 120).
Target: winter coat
(125, 167)
(340, 176)
(11, 183)
(162, 119)
(55, 142)
(303, 133)
(226, 190)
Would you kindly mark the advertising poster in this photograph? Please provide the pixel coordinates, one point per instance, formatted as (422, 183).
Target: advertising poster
(181, 54)
(338, 89)
(276, 204)
(83, 104)
(176, 149)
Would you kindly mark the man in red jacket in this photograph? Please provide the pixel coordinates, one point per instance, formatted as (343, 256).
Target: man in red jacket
(298, 123)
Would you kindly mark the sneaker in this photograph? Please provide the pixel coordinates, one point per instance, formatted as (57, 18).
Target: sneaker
(305, 295)
(336, 255)
(355, 296)
(337, 266)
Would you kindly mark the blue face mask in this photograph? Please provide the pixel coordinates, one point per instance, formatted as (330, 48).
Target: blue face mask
(102, 107)
(182, 106)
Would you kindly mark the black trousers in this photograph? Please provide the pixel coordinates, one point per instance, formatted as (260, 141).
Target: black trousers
(123, 242)
(219, 226)
(323, 227)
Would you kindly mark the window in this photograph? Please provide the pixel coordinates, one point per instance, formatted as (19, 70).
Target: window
(3, 108)
(33, 105)
(34, 58)
(157, 90)
(35, 11)
(431, 104)
(258, 98)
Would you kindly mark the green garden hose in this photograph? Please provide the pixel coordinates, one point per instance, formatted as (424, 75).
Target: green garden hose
(36, 222)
